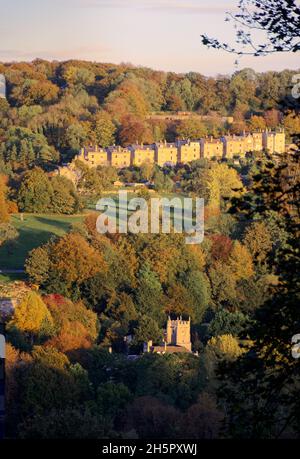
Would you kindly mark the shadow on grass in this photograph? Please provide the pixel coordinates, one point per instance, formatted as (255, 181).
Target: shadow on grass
(56, 223)
(34, 231)
(13, 254)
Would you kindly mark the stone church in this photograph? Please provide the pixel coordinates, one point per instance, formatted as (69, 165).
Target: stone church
(177, 338)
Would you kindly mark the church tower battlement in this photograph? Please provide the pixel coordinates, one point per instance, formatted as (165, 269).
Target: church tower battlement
(179, 333)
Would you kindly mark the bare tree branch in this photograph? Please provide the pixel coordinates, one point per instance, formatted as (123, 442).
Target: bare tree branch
(279, 20)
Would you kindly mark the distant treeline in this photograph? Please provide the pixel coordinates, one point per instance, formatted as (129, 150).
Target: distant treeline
(54, 108)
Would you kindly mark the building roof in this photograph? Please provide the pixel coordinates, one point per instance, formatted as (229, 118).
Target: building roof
(93, 149)
(165, 144)
(142, 147)
(118, 149)
(211, 140)
(169, 349)
(234, 138)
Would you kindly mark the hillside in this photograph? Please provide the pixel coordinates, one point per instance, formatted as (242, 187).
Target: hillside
(54, 108)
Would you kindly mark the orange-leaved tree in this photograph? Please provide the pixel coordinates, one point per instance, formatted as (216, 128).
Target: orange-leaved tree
(75, 260)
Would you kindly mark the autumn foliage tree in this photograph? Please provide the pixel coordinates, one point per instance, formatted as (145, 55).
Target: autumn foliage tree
(74, 260)
(104, 129)
(31, 315)
(259, 242)
(4, 215)
(75, 326)
(240, 262)
(134, 130)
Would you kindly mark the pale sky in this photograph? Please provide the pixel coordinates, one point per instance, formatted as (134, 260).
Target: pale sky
(161, 34)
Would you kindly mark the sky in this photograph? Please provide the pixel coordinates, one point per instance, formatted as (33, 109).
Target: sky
(161, 34)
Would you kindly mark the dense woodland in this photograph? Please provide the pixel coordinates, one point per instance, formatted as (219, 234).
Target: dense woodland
(54, 108)
(88, 291)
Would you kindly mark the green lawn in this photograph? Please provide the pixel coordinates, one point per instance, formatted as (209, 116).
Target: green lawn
(33, 231)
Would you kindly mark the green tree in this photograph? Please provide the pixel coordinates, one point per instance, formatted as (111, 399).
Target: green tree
(147, 329)
(8, 234)
(35, 192)
(227, 323)
(197, 284)
(104, 129)
(149, 294)
(90, 181)
(191, 129)
(64, 198)
(48, 385)
(37, 264)
(112, 398)
(24, 147)
(267, 406)
(162, 182)
(76, 136)
(76, 423)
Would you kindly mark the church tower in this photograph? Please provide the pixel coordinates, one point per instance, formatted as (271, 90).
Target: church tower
(179, 333)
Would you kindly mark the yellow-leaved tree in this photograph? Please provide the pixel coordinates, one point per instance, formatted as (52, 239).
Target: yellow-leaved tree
(31, 315)
(220, 348)
(240, 262)
(222, 182)
(258, 240)
(225, 346)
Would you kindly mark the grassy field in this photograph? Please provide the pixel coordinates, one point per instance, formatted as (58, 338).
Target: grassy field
(33, 231)
(91, 202)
